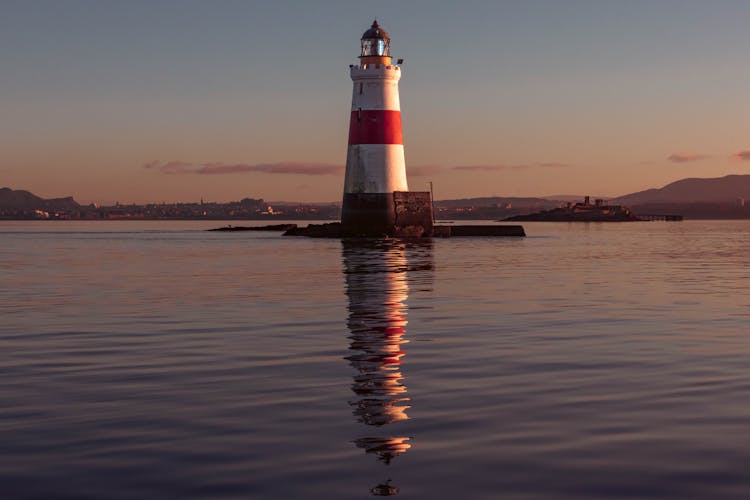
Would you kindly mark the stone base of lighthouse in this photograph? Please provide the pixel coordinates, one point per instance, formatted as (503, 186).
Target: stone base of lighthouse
(399, 214)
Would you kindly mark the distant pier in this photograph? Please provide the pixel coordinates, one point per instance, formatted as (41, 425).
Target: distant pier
(660, 217)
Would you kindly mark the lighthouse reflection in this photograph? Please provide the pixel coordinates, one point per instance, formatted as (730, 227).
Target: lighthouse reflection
(377, 276)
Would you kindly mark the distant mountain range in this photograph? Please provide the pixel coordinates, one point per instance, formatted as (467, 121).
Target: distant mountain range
(712, 190)
(715, 190)
(23, 200)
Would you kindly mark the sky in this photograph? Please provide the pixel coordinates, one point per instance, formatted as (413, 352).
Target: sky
(163, 101)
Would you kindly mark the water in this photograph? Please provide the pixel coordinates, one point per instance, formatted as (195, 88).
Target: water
(153, 360)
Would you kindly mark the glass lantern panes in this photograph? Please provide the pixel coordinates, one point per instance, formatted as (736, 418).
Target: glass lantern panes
(375, 47)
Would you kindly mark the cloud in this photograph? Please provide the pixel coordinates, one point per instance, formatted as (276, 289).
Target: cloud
(553, 165)
(686, 157)
(271, 168)
(522, 166)
(217, 168)
(489, 168)
(742, 155)
(177, 167)
(170, 167)
(424, 170)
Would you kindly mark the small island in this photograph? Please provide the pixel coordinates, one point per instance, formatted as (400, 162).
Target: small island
(581, 212)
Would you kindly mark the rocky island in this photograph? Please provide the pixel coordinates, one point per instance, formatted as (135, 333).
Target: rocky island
(581, 212)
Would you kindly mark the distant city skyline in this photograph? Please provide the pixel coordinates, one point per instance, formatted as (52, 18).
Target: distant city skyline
(150, 101)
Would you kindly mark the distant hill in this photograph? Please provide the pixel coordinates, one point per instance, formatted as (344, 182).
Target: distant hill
(713, 190)
(23, 200)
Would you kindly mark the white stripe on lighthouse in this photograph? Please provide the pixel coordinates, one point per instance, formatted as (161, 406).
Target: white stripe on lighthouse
(376, 88)
(375, 168)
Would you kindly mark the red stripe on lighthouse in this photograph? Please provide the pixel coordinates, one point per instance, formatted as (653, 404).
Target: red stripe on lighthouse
(375, 126)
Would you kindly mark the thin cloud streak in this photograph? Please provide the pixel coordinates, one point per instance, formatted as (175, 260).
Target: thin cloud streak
(686, 157)
(522, 166)
(424, 170)
(553, 165)
(489, 168)
(742, 155)
(171, 167)
(177, 167)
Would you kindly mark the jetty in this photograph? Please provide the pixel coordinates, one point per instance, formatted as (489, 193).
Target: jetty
(660, 217)
(272, 227)
(337, 230)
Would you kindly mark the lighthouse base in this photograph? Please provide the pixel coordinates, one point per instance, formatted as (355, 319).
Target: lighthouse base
(401, 213)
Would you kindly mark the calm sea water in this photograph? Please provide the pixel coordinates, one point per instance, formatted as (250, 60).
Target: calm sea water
(156, 360)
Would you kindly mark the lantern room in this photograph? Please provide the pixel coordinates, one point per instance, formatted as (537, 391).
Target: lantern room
(376, 46)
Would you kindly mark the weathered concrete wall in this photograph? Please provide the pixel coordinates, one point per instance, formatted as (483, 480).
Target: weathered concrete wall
(368, 214)
(413, 211)
(401, 213)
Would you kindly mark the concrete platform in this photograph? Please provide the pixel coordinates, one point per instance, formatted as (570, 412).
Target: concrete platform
(483, 231)
(336, 230)
(273, 227)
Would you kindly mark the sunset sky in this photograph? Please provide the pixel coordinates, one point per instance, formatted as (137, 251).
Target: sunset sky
(150, 101)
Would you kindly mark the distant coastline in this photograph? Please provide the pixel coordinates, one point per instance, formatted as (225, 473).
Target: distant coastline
(714, 198)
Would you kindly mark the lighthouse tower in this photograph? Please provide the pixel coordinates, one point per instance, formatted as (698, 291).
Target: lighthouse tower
(375, 189)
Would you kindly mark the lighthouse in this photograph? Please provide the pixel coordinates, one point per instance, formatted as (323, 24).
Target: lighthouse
(376, 199)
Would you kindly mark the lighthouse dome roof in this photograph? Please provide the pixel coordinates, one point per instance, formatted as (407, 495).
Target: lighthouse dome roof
(376, 31)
